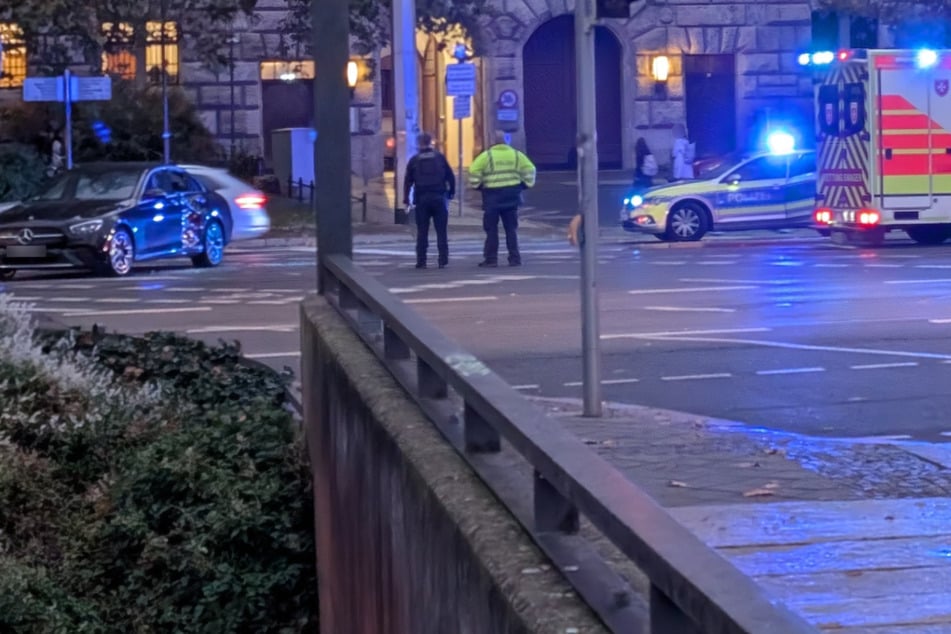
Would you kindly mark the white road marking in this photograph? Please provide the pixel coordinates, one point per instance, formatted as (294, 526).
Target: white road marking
(618, 381)
(716, 262)
(220, 301)
(884, 266)
(830, 266)
(882, 366)
(118, 300)
(72, 312)
(440, 300)
(939, 321)
(801, 346)
(670, 263)
(76, 299)
(717, 280)
(273, 355)
(691, 377)
(689, 289)
(213, 329)
(939, 281)
(689, 309)
(790, 371)
(664, 334)
(275, 302)
(530, 386)
(25, 298)
(168, 301)
(933, 266)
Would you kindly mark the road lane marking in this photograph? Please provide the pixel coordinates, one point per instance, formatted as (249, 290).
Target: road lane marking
(938, 281)
(933, 266)
(662, 334)
(214, 329)
(939, 321)
(692, 377)
(440, 300)
(168, 301)
(689, 309)
(802, 346)
(690, 289)
(72, 312)
(789, 371)
(830, 266)
(884, 266)
(275, 302)
(117, 300)
(719, 280)
(619, 381)
(670, 263)
(882, 366)
(273, 355)
(529, 386)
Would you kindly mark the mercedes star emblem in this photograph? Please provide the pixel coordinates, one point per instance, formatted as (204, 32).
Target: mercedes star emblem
(25, 236)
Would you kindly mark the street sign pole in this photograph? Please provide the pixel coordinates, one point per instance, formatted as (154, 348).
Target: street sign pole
(68, 102)
(406, 94)
(588, 203)
(460, 185)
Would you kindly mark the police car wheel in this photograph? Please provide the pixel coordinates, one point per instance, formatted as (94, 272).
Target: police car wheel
(686, 222)
(928, 235)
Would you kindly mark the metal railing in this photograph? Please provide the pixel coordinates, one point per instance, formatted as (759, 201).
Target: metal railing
(693, 588)
(296, 189)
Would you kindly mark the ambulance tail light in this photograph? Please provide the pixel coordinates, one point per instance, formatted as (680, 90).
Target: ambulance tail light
(823, 216)
(868, 217)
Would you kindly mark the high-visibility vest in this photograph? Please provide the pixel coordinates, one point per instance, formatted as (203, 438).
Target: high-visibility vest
(501, 166)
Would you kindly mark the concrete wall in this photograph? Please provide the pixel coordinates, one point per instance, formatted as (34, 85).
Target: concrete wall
(409, 540)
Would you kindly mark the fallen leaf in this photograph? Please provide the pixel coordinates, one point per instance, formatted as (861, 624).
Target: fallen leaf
(677, 483)
(755, 493)
(772, 486)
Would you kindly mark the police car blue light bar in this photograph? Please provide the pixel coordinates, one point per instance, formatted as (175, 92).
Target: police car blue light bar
(780, 142)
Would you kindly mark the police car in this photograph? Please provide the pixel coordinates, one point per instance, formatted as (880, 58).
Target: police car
(767, 190)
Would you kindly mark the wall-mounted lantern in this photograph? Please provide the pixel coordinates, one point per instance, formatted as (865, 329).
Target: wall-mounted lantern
(660, 71)
(353, 75)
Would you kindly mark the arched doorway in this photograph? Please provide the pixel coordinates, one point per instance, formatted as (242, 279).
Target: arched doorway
(550, 106)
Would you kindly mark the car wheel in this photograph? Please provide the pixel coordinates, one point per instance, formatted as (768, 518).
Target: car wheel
(686, 223)
(214, 246)
(7, 274)
(121, 255)
(928, 235)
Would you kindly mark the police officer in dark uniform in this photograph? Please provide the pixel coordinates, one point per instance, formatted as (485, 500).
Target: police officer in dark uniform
(433, 184)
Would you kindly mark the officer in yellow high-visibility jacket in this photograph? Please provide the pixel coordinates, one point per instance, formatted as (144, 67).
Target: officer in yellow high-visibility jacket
(501, 173)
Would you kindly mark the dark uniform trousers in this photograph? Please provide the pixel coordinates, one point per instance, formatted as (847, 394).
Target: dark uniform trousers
(501, 204)
(431, 206)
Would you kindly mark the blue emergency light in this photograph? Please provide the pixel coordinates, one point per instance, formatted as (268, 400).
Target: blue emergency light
(780, 142)
(926, 58)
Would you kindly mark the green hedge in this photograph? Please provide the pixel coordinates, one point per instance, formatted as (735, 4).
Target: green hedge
(148, 484)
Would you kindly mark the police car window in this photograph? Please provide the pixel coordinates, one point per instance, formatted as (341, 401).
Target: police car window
(159, 180)
(763, 168)
(181, 183)
(802, 164)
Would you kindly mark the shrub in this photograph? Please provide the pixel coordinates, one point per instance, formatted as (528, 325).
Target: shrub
(22, 171)
(148, 484)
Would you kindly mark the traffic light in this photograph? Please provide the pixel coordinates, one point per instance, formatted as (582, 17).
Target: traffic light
(613, 8)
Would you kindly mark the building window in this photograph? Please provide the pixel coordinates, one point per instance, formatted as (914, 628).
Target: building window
(158, 38)
(863, 32)
(13, 71)
(287, 71)
(825, 31)
(118, 57)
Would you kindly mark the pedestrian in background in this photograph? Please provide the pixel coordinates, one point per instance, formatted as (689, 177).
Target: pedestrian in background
(430, 177)
(682, 154)
(501, 173)
(645, 165)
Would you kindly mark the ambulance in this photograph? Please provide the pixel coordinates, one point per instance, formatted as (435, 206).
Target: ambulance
(883, 147)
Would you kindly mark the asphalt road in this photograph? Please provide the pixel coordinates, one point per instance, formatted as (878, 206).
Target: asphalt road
(554, 199)
(786, 332)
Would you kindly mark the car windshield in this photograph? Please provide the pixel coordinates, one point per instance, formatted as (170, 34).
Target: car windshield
(117, 184)
(709, 169)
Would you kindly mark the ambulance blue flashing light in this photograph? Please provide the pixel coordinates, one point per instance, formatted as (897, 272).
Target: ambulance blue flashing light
(780, 142)
(822, 58)
(926, 58)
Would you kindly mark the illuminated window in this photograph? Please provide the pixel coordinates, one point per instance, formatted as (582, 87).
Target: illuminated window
(13, 71)
(157, 39)
(287, 71)
(118, 58)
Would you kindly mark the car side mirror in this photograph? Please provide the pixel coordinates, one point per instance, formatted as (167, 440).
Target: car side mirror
(153, 194)
(733, 179)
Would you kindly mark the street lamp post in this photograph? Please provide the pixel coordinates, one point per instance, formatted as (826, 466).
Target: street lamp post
(588, 203)
(231, 43)
(166, 134)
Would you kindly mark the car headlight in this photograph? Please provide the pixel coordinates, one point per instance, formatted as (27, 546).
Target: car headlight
(633, 201)
(87, 228)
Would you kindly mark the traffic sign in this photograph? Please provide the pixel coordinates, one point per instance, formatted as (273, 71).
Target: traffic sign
(508, 99)
(43, 89)
(461, 107)
(460, 80)
(507, 114)
(94, 88)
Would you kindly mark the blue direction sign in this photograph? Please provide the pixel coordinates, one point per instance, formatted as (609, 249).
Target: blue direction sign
(44, 89)
(460, 80)
(461, 107)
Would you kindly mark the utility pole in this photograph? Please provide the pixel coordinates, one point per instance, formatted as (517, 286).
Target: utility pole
(406, 93)
(166, 134)
(588, 203)
(330, 20)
